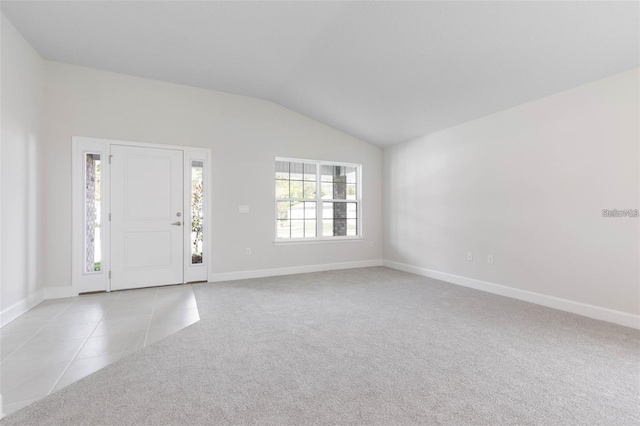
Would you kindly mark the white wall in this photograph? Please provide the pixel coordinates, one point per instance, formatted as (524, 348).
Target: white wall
(21, 144)
(245, 135)
(527, 185)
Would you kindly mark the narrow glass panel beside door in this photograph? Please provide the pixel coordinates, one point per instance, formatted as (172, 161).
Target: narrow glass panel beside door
(92, 230)
(197, 212)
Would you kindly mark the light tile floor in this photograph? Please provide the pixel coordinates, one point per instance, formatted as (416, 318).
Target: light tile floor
(61, 341)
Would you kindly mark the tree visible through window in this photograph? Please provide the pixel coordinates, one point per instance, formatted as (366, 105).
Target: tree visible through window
(92, 234)
(315, 199)
(197, 211)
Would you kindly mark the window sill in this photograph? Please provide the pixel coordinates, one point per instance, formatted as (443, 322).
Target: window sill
(318, 241)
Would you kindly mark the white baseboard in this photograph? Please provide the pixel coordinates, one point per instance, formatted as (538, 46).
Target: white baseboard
(59, 292)
(261, 273)
(20, 307)
(591, 311)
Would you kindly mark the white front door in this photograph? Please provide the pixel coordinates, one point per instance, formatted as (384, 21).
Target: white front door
(147, 221)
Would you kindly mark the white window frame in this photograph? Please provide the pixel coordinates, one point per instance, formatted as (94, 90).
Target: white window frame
(84, 215)
(195, 272)
(319, 238)
(81, 280)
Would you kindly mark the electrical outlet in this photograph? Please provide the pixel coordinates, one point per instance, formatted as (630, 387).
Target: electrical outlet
(490, 259)
(470, 256)
(248, 251)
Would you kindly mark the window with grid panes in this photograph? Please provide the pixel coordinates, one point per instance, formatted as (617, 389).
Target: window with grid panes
(317, 200)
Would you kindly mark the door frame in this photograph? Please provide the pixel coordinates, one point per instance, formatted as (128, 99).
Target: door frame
(84, 282)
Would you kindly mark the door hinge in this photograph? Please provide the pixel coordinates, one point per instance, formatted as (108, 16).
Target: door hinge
(109, 274)
(111, 156)
(109, 217)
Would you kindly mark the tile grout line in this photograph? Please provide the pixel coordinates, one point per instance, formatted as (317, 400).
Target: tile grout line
(74, 358)
(153, 310)
(82, 346)
(36, 332)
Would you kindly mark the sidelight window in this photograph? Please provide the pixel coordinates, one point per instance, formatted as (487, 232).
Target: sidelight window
(197, 212)
(92, 214)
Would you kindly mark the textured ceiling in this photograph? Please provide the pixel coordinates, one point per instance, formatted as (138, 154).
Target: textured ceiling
(385, 72)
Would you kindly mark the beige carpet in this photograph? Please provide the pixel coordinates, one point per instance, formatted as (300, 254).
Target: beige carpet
(363, 346)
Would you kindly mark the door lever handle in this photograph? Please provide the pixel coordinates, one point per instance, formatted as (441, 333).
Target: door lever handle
(178, 223)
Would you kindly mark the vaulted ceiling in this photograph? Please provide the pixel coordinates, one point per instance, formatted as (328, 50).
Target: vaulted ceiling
(385, 72)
